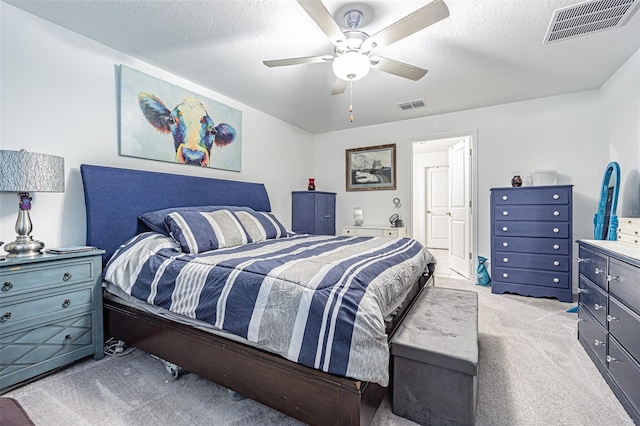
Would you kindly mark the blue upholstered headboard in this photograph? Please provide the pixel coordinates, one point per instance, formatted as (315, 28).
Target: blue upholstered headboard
(114, 198)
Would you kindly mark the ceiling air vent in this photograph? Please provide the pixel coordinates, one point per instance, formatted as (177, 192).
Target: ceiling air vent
(412, 104)
(589, 17)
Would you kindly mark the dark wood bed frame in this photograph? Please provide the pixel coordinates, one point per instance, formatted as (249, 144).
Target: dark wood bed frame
(310, 395)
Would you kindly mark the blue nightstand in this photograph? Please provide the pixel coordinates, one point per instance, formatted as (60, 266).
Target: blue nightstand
(50, 313)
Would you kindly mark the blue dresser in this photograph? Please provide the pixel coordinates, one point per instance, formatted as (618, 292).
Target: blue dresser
(50, 313)
(313, 212)
(531, 241)
(609, 315)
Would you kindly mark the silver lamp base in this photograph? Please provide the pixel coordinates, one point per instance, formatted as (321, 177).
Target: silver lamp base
(24, 246)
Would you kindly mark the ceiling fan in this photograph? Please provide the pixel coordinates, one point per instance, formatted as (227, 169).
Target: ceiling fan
(353, 48)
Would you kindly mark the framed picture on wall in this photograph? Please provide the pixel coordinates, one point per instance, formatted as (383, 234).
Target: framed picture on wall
(371, 168)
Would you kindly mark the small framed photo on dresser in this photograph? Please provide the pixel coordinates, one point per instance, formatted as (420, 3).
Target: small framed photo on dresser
(371, 168)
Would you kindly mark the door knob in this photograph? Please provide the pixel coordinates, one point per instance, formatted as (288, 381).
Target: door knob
(448, 213)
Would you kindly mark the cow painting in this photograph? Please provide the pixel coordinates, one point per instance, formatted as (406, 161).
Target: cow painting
(194, 132)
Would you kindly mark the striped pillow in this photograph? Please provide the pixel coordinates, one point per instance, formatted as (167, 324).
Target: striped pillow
(261, 225)
(197, 232)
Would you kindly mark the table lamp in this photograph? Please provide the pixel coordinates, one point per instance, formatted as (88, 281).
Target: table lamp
(24, 172)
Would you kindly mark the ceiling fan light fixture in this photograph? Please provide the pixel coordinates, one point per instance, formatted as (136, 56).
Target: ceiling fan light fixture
(351, 66)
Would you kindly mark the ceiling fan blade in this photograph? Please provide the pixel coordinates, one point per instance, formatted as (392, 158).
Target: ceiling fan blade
(321, 16)
(427, 15)
(298, 61)
(397, 68)
(339, 87)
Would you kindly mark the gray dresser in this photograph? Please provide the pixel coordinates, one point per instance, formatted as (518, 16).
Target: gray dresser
(531, 241)
(609, 315)
(50, 313)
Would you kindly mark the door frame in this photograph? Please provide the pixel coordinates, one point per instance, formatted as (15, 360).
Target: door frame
(473, 179)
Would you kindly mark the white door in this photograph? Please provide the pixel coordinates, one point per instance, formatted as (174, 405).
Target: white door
(436, 218)
(460, 209)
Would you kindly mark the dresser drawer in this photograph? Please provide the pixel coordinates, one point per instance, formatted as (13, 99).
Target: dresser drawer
(593, 299)
(624, 325)
(32, 276)
(532, 277)
(532, 245)
(532, 229)
(558, 213)
(532, 261)
(625, 371)
(592, 335)
(593, 266)
(558, 195)
(29, 312)
(625, 283)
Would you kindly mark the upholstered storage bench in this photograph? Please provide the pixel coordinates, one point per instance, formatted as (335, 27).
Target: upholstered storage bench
(435, 359)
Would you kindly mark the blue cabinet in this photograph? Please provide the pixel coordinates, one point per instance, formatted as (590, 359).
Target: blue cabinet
(609, 315)
(51, 313)
(313, 212)
(531, 234)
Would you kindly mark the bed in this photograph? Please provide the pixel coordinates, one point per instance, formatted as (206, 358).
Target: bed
(115, 198)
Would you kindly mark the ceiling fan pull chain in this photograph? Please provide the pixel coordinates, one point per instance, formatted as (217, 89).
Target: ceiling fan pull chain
(351, 101)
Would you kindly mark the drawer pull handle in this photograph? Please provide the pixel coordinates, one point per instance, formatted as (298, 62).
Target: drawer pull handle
(556, 246)
(582, 260)
(505, 198)
(611, 359)
(599, 342)
(505, 244)
(66, 276)
(556, 280)
(66, 303)
(505, 260)
(598, 307)
(5, 317)
(556, 213)
(598, 271)
(327, 216)
(610, 278)
(612, 319)
(505, 213)
(505, 275)
(580, 320)
(505, 229)
(556, 230)
(7, 286)
(556, 263)
(556, 196)
(67, 339)
(582, 290)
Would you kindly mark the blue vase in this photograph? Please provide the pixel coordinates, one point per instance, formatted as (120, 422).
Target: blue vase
(483, 275)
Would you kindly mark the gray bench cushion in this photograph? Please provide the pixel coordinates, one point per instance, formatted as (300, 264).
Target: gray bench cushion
(441, 330)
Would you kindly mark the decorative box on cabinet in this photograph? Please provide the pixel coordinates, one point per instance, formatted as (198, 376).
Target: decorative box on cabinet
(313, 212)
(531, 231)
(374, 231)
(50, 313)
(609, 315)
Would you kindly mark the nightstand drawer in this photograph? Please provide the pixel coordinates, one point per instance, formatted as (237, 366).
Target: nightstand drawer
(34, 351)
(29, 277)
(30, 312)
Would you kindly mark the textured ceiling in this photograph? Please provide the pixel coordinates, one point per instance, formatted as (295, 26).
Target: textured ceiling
(486, 52)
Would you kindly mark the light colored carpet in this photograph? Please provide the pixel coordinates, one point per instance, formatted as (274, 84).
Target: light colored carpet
(532, 371)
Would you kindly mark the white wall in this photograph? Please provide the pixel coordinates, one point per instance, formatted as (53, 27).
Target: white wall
(620, 106)
(560, 132)
(59, 97)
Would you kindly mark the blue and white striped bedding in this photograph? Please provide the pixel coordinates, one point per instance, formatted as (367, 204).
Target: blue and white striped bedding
(315, 300)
